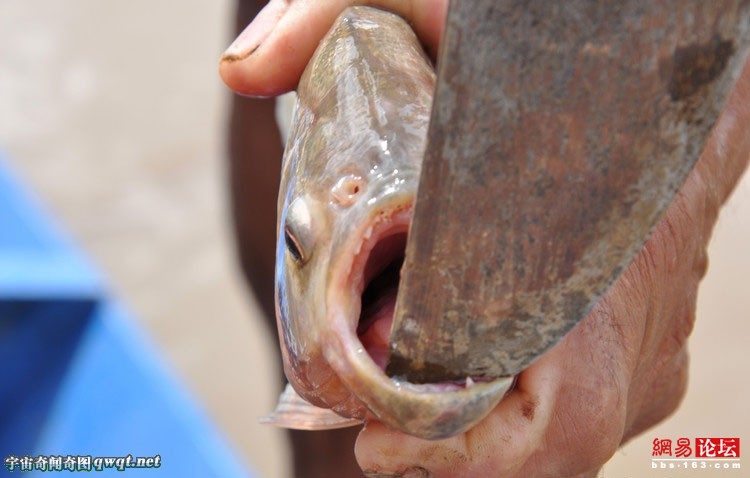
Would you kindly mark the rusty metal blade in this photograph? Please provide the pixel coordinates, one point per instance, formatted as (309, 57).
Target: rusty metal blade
(560, 133)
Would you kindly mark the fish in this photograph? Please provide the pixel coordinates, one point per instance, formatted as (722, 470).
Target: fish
(349, 178)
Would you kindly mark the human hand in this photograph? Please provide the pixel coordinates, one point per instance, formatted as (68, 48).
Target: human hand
(621, 370)
(267, 59)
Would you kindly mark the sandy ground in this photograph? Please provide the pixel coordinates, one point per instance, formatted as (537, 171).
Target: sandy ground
(114, 113)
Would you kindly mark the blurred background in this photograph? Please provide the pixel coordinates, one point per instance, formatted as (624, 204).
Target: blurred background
(113, 113)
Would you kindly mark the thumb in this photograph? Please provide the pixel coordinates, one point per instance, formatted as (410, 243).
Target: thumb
(268, 57)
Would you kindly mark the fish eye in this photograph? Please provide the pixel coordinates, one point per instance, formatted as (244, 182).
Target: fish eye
(292, 245)
(298, 235)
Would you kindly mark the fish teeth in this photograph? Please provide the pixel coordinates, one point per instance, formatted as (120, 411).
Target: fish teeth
(368, 232)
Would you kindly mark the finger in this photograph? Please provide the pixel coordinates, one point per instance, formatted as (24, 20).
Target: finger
(269, 56)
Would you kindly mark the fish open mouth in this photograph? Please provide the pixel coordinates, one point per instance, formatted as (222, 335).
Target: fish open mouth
(376, 272)
(382, 274)
(365, 296)
(360, 307)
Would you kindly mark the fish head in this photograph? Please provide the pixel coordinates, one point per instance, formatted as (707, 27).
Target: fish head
(345, 208)
(349, 180)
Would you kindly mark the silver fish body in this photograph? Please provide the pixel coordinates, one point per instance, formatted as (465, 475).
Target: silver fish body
(350, 173)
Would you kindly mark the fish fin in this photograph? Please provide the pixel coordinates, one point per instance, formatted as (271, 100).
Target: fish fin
(297, 413)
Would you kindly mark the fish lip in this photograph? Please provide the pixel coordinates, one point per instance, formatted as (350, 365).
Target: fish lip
(421, 410)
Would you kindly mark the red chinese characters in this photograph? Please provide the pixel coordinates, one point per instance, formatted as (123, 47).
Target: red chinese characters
(662, 447)
(726, 448)
(683, 448)
(717, 447)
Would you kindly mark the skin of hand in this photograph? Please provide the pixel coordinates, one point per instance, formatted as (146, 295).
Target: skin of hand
(620, 370)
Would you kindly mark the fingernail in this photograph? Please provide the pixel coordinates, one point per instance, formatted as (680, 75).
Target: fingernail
(415, 472)
(255, 34)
